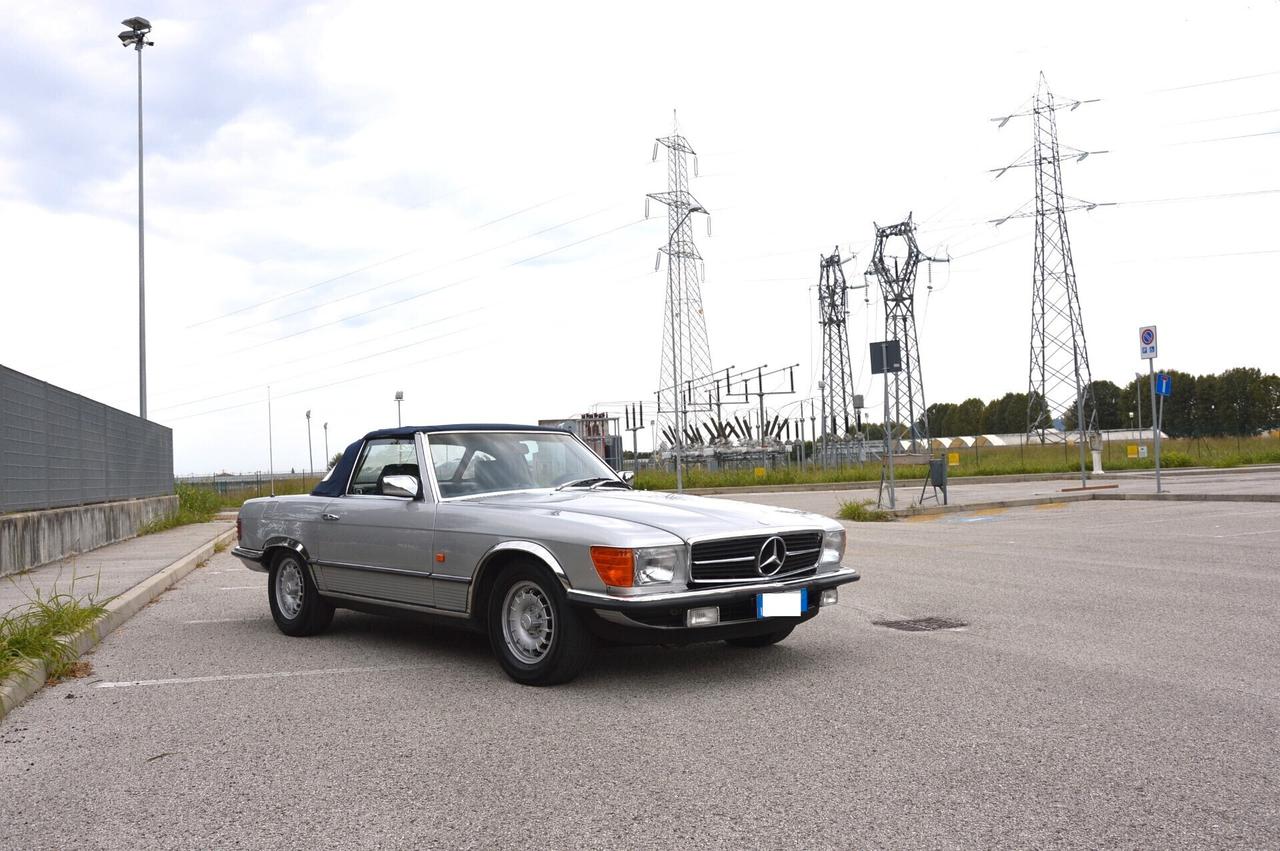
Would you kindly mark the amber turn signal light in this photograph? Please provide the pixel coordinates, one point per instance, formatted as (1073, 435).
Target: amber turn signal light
(615, 565)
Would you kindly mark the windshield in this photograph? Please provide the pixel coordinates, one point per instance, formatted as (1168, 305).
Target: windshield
(476, 462)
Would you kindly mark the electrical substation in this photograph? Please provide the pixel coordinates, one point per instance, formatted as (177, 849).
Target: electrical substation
(713, 417)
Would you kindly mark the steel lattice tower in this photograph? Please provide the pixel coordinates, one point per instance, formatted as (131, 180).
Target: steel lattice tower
(837, 368)
(897, 276)
(1059, 382)
(686, 354)
(1059, 377)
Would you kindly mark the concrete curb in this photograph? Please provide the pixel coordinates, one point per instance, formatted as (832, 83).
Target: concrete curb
(960, 508)
(19, 687)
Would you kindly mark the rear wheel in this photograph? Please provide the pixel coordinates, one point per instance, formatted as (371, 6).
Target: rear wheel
(762, 640)
(296, 605)
(538, 638)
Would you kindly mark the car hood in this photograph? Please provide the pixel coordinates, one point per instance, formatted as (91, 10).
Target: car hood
(680, 514)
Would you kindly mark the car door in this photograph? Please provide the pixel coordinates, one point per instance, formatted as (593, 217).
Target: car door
(375, 546)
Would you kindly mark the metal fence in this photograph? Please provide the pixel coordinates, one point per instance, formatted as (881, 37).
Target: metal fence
(58, 448)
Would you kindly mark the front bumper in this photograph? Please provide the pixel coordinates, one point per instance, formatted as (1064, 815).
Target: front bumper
(708, 596)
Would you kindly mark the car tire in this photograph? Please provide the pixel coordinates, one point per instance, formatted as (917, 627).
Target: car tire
(763, 640)
(537, 636)
(296, 605)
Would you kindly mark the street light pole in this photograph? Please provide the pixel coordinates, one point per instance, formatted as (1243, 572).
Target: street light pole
(136, 37)
(677, 342)
(311, 458)
(327, 456)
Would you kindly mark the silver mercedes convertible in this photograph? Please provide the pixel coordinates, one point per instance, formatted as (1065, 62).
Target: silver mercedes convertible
(524, 533)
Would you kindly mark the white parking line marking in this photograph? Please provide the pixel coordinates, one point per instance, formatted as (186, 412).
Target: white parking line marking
(225, 620)
(243, 587)
(263, 676)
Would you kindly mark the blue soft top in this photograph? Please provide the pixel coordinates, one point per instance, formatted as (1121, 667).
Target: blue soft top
(335, 483)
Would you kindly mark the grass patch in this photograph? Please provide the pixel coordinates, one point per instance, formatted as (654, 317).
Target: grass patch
(221, 547)
(990, 461)
(40, 631)
(863, 512)
(195, 505)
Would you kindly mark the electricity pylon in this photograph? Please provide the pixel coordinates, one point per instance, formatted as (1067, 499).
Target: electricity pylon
(837, 368)
(1059, 382)
(897, 276)
(685, 350)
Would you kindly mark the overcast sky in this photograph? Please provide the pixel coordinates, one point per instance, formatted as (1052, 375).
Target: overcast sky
(349, 199)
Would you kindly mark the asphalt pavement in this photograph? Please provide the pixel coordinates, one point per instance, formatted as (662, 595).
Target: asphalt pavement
(1114, 685)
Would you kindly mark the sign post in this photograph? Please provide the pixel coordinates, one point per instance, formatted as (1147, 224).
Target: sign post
(1147, 345)
(886, 357)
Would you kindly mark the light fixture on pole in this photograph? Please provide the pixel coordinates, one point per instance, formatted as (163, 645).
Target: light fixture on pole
(327, 456)
(676, 372)
(136, 37)
(399, 399)
(311, 458)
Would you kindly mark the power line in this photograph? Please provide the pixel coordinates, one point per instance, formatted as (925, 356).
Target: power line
(1213, 82)
(373, 265)
(440, 288)
(318, 369)
(327, 385)
(420, 272)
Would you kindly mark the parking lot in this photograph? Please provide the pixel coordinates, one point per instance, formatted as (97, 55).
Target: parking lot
(1114, 684)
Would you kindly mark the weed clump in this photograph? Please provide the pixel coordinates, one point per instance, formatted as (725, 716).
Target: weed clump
(863, 512)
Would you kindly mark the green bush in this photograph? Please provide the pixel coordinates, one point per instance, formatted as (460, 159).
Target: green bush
(1176, 459)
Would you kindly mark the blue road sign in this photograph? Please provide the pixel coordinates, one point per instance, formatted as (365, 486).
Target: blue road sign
(1164, 384)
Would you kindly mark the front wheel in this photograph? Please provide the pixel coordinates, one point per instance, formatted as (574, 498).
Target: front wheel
(538, 638)
(762, 640)
(296, 605)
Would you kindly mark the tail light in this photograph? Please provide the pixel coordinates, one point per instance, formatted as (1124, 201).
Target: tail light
(239, 531)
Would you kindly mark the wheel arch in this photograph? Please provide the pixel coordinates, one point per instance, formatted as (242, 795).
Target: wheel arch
(499, 556)
(273, 548)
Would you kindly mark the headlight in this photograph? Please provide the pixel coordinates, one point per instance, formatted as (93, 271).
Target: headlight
(623, 568)
(657, 564)
(832, 547)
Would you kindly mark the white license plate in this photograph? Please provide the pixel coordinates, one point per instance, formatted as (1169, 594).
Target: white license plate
(783, 604)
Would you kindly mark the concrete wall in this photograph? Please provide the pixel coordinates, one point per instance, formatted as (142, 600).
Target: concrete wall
(33, 538)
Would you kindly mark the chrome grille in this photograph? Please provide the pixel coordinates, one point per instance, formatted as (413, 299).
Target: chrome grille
(734, 559)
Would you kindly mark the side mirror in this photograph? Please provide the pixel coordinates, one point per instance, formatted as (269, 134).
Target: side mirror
(628, 476)
(400, 486)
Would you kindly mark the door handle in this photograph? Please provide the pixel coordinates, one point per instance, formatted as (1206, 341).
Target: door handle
(329, 516)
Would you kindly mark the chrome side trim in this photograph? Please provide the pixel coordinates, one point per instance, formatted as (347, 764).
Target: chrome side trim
(684, 598)
(445, 577)
(396, 604)
(372, 569)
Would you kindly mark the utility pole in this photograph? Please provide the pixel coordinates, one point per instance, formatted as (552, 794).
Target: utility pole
(1059, 377)
(684, 338)
(897, 276)
(271, 450)
(136, 37)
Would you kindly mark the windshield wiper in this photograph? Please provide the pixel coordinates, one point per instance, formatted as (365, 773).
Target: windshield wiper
(592, 483)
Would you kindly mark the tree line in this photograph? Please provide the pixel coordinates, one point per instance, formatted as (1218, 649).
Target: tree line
(1240, 401)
